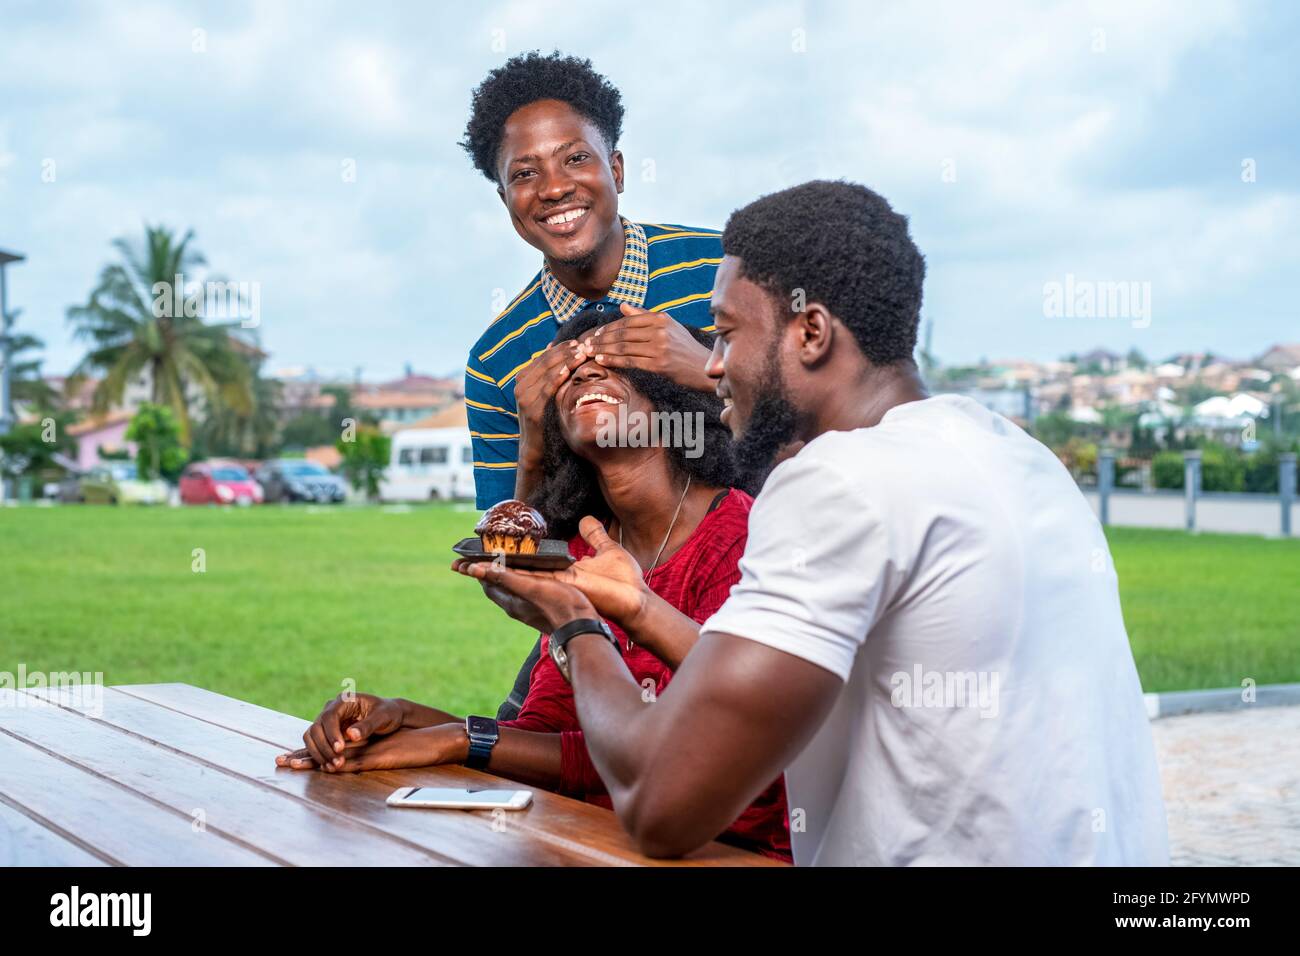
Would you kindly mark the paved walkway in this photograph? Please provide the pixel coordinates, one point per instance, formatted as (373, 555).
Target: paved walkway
(1232, 786)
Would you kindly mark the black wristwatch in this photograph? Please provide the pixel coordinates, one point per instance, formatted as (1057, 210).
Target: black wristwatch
(483, 735)
(566, 632)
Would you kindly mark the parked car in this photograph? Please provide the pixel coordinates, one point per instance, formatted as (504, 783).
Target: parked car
(70, 487)
(219, 483)
(118, 482)
(296, 479)
(429, 463)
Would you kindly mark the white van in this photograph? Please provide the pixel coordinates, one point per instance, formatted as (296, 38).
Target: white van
(429, 464)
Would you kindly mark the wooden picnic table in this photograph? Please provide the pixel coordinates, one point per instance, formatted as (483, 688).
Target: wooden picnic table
(172, 774)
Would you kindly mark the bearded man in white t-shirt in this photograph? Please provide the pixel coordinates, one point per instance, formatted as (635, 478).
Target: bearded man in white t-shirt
(926, 636)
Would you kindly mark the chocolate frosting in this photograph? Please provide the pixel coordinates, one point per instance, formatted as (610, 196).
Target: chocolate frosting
(512, 518)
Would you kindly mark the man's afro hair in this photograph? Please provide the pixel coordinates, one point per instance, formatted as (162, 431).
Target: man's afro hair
(530, 77)
(843, 246)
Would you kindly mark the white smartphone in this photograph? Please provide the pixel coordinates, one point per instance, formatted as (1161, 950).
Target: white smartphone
(450, 798)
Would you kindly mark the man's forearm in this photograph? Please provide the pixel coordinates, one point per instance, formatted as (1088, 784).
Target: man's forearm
(682, 769)
(416, 715)
(665, 631)
(529, 757)
(611, 710)
(527, 476)
(701, 382)
(523, 755)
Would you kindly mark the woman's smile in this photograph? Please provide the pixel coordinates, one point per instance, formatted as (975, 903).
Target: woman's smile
(595, 398)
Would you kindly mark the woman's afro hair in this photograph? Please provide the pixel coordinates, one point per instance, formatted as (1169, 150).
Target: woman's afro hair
(530, 77)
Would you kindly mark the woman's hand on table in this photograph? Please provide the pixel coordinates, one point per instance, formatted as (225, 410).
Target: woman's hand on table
(419, 747)
(347, 720)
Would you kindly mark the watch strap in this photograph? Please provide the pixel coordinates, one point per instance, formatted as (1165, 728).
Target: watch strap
(583, 625)
(481, 744)
(566, 632)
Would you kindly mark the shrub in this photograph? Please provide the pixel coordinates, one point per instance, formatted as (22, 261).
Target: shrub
(1222, 469)
(1080, 456)
(1167, 469)
(364, 458)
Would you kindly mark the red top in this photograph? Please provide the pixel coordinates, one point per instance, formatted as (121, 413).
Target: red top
(696, 580)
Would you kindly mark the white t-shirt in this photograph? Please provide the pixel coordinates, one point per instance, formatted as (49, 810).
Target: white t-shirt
(945, 566)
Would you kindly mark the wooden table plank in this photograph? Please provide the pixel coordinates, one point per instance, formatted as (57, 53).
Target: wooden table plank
(466, 837)
(289, 830)
(122, 826)
(560, 821)
(25, 842)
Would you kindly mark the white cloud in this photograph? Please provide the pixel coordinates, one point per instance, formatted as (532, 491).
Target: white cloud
(243, 142)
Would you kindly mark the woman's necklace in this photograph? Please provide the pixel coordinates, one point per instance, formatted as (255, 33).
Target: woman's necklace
(672, 524)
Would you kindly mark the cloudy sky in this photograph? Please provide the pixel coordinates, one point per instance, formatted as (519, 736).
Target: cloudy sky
(1154, 143)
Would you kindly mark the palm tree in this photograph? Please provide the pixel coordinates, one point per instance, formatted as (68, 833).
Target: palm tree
(223, 432)
(28, 386)
(176, 351)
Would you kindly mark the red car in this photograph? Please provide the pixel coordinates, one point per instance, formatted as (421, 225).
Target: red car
(219, 483)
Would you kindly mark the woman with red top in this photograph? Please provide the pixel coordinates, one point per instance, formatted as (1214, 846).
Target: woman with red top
(651, 459)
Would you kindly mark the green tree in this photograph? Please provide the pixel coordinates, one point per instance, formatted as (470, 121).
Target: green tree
(30, 447)
(1143, 441)
(308, 430)
(225, 432)
(28, 387)
(1080, 456)
(1055, 429)
(365, 457)
(127, 337)
(316, 427)
(1117, 418)
(157, 436)
(1197, 392)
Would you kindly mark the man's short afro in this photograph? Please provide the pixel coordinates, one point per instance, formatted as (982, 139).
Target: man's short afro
(526, 79)
(843, 246)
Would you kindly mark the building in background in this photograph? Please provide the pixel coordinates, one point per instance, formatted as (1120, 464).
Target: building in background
(101, 434)
(405, 401)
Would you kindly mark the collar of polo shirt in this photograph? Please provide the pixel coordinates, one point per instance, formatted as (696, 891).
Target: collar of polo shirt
(629, 287)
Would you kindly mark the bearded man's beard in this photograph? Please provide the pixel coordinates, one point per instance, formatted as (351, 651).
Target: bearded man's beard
(771, 430)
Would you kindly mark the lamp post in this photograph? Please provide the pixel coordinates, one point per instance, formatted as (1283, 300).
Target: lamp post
(6, 373)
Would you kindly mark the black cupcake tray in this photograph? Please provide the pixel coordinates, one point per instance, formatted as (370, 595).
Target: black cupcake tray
(551, 555)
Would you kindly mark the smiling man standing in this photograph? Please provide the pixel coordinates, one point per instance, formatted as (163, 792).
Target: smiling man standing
(544, 130)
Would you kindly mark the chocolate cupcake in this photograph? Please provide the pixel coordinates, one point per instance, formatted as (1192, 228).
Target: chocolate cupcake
(511, 527)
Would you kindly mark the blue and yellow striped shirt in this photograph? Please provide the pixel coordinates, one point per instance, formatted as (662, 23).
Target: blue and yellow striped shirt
(665, 269)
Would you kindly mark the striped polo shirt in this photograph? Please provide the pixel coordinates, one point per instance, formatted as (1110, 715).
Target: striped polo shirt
(665, 269)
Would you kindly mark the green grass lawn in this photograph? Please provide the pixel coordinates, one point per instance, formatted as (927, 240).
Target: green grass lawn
(1209, 610)
(294, 601)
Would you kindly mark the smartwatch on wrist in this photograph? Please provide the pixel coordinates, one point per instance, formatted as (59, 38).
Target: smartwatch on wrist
(483, 735)
(566, 632)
